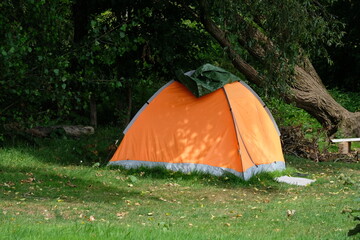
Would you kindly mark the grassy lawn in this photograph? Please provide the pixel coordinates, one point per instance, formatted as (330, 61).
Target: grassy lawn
(55, 191)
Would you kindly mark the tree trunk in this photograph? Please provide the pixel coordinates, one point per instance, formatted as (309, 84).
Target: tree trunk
(93, 112)
(307, 91)
(129, 105)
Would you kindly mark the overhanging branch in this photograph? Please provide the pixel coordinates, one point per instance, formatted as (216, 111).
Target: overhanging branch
(245, 68)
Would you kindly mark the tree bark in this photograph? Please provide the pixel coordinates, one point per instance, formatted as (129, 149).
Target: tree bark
(129, 105)
(307, 91)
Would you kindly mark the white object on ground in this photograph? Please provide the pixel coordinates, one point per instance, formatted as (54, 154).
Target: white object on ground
(346, 140)
(295, 180)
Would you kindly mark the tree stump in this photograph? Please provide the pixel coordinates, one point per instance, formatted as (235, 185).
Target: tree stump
(345, 147)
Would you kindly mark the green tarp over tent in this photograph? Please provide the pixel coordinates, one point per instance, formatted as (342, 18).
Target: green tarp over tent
(206, 79)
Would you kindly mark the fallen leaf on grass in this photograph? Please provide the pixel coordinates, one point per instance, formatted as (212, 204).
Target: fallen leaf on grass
(120, 215)
(346, 210)
(237, 216)
(119, 178)
(172, 184)
(29, 180)
(91, 218)
(70, 184)
(8, 184)
(290, 213)
(163, 199)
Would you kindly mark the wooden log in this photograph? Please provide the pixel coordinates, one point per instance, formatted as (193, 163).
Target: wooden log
(73, 131)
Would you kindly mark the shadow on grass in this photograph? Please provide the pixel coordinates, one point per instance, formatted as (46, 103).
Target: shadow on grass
(37, 184)
(260, 181)
(63, 150)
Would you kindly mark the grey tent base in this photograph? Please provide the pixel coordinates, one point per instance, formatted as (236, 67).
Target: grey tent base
(192, 167)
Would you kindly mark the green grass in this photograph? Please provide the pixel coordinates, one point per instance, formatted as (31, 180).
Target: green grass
(53, 190)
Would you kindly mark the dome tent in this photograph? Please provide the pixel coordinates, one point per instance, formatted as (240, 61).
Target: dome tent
(211, 123)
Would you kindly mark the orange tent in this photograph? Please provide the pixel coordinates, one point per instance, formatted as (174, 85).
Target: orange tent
(228, 130)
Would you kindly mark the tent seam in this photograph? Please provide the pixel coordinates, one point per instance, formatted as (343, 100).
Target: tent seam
(237, 130)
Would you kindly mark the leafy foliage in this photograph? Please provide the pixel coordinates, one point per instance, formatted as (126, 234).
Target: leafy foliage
(344, 70)
(51, 69)
(296, 28)
(34, 38)
(355, 215)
